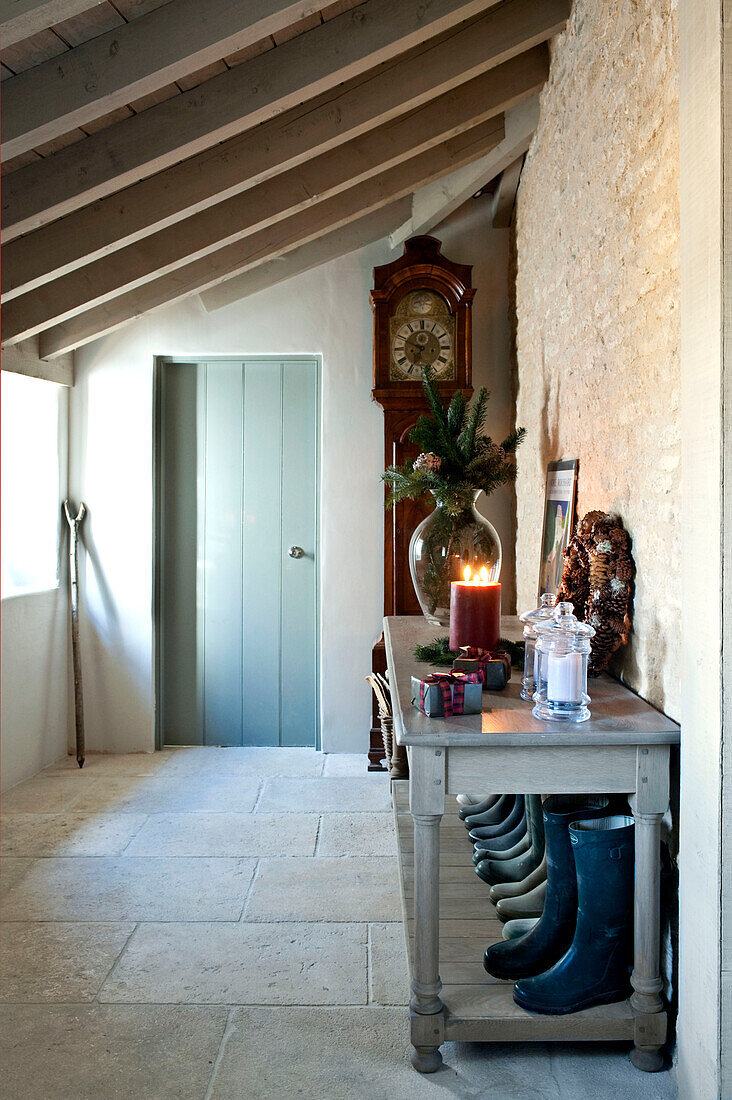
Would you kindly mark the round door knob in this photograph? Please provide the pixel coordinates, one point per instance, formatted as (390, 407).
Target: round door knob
(296, 552)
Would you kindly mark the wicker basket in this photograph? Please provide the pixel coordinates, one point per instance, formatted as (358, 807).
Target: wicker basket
(396, 755)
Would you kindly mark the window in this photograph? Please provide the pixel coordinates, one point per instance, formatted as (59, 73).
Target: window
(32, 438)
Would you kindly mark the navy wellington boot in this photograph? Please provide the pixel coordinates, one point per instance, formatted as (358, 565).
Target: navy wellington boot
(495, 815)
(508, 822)
(550, 938)
(596, 968)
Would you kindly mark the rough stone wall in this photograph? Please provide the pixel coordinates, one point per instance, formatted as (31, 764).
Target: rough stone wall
(597, 300)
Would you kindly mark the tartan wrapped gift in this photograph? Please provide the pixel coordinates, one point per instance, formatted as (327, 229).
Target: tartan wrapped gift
(444, 694)
(493, 667)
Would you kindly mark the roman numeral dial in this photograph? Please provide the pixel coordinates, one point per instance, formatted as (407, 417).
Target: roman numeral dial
(422, 341)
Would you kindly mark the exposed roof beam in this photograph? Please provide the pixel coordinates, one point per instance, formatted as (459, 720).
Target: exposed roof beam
(269, 202)
(504, 196)
(271, 242)
(25, 359)
(305, 131)
(225, 105)
(132, 61)
(437, 201)
(21, 19)
(374, 227)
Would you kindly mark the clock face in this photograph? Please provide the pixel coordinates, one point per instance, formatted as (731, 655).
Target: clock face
(422, 334)
(421, 342)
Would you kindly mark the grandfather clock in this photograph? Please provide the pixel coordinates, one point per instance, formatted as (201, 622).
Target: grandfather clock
(421, 305)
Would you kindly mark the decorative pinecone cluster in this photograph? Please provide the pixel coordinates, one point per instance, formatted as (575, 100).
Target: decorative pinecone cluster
(598, 579)
(429, 462)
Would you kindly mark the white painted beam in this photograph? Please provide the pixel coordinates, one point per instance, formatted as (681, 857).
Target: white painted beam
(21, 19)
(374, 227)
(419, 131)
(272, 242)
(504, 33)
(432, 204)
(238, 99)
(131, 61)
(241, 216)
(25, 359)
(504, 197)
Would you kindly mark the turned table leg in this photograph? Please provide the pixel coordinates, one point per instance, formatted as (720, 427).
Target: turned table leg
(649, 804)
(426, 793)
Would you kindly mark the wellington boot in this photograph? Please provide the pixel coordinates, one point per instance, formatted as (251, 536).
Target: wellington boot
(515, 889)
(504, 841)
(510, 820)
(523, 844)
(470, 806)
(493, 816)
(551, 937)
(512, 929)
(525, 905)
(596, 967)
(518, 867)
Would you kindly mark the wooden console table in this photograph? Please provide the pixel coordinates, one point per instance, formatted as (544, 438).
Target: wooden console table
(623, 748)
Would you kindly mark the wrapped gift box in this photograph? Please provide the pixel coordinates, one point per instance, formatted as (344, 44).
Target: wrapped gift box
(493, 668)
(434, 700)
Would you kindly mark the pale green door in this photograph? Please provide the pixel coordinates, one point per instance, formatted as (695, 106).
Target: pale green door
(238, 553)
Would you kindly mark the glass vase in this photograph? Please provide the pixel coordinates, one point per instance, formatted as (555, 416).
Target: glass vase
(439, 550)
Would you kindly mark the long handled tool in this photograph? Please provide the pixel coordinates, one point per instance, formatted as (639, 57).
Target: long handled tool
(74, 523)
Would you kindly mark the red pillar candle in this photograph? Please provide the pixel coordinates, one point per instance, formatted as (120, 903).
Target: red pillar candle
(475, 612)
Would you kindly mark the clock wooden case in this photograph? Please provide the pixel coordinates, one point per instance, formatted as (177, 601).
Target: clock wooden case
(422, 314)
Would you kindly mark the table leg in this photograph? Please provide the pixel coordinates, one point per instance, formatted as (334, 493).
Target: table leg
(426, 984)
(649, 804)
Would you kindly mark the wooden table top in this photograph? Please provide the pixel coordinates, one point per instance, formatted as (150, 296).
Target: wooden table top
(618, 716)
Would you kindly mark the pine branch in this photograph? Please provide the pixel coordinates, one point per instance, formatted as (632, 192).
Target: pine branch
(456, 414)
(512, 441)
(467, 439)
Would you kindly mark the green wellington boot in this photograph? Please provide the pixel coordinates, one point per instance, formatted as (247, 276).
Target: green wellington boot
(525, 905)
(469, 806)
(496, 815)
(518, 867)
(477, 830)
(515, 889)
(595, 970)
(514, 929)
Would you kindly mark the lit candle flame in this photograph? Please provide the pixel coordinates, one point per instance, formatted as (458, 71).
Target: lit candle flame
(466, 574)
(484, 575)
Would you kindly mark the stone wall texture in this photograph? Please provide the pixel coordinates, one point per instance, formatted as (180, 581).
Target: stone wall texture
(597, 308)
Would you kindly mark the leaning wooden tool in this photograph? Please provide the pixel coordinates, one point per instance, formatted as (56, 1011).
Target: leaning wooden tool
(74, 523)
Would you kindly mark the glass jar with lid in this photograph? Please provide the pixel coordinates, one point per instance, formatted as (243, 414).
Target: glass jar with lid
(530, 679)
(563, 647)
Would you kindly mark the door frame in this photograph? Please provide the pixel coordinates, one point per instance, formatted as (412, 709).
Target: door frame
(158, 422)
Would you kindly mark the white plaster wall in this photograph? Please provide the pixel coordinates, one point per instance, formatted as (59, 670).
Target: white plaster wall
(324, 312)
(36, 677)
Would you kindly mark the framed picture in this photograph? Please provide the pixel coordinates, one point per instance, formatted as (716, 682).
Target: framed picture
(560, 502)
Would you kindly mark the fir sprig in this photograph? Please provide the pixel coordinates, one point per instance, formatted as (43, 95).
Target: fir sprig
(462, 459)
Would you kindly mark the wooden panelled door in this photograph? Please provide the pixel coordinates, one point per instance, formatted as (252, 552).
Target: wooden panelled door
(237, 552)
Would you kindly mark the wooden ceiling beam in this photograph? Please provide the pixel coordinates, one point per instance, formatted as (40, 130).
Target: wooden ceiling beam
(25, 359)
(276, 240)
(435, 202)
(21, 19)
(308, 130)
(504, 196)
(240, 216)
(225, 105)
(131, 61)
(374, 227)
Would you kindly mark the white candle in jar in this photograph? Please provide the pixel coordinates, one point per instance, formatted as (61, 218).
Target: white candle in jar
(564, 677)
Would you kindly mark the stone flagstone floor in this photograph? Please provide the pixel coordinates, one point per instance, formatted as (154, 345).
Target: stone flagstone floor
(212, 924)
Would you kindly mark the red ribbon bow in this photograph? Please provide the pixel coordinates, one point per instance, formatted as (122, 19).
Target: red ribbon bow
(483, 656)
(452, 689)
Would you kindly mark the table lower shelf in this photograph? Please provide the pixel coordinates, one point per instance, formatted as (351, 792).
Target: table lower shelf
(478, 1007)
